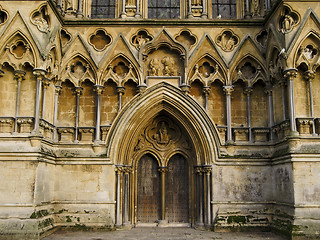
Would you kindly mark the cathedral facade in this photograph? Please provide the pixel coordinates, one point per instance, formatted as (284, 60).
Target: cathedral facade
(126, 113)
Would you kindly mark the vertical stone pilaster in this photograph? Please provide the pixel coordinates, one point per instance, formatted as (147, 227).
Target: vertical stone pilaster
(19, 76)
(290, 75)
(126, 184)
(247, 91)
(40, 75)
(57, 92)
(283, 92)
(79, 10)
(228, 90)
(199, 176)
(190, 15)
(123, 13)
(98, 89)
(138, 13)
(77, 93)
(204, 9)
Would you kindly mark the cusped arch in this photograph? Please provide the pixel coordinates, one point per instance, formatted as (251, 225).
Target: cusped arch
(132, 74)
(250, 79)
(220, 72)
(162, 97)
(140, 154)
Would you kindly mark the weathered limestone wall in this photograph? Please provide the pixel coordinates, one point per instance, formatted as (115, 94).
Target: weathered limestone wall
(8, 92)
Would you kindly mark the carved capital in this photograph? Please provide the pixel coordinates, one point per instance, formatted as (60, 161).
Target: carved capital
(58, 89)
(78, 91)
(247, 91)
(290, 73)
(268, 90)
(142, 88)
(207, 170)
(185, 88)
(19, 75)
(98, 89)
(206, 90)
(120, 90)
(228, 89)
(163, 169)
(39, 73)
(46, 82)
(198, 170)
(309, 75)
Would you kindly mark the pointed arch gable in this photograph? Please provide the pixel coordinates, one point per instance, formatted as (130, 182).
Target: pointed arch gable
(143, 107)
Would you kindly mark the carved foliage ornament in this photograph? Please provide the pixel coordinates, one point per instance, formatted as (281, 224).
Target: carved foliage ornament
(288, 20)
(100, 39)
(140, 38)
(40, 18)
(227, 40)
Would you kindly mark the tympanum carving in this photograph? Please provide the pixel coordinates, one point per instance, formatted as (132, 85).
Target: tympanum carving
(100, 40)
(162, 134)
(41, 19)
(288, 20)
(227, 40)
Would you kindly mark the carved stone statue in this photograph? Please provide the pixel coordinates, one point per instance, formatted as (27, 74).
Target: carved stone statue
(287, 23)
(162, 135)
(168, 69)
(153, 67)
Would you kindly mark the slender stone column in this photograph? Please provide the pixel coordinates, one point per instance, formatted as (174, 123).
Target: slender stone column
(120, 91)
(46, 84)
(57, 92)
(207, 186)
(190, 15)
(283, 92)
(268, 91)
(206, 91)
(290, 74)
(163, 171)
(204, 9)
(309, 76)
(200, 195)
(138, 14)
(247, 92)
(118, 195)
(79, 11)
(19, 75)
(78, 92)
(98, 89)
(228, 90)
(123, 13)
(126, 184)
(40, 75)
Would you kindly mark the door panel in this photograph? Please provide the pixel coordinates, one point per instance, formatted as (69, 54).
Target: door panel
(148, 190)
(177, 190)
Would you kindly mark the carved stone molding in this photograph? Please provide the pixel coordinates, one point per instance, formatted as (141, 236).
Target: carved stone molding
(66, 37)
(262, 38)
(3, 16)
(186, 38)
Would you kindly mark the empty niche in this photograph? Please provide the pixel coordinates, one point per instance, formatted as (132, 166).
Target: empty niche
(140, 38)
(262, 38)
(227, 40)
(100, 40)
(65, 37)
(78, 69)
(41, 19)
(248, 70)
(186, 38)
(121, 69)
(206, 69)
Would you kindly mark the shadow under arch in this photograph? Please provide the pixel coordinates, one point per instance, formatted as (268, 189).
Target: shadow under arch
(164, 97)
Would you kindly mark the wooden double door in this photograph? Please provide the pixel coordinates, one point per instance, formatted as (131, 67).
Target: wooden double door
(173, 189)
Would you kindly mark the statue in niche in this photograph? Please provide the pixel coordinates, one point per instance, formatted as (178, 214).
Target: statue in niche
(42, 24)
(168, 69)
(307, 53)
(139, 40)
(162, 135)
(154, 67)
(287, 23)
